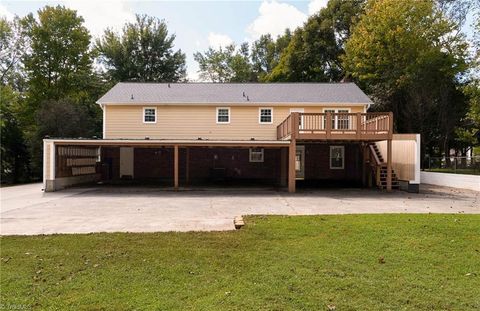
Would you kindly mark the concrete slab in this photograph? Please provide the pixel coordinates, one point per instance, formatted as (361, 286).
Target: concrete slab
(26, 210)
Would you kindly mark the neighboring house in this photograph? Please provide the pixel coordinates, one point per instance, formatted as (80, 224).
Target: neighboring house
(276, 134)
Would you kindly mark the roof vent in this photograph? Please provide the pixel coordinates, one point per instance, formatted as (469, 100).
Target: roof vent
(199, 138)
(169, 85)
(243, 94)
(248, 99)
(131, 97)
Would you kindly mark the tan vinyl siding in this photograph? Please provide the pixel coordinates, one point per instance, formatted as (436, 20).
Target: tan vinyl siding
(405, 155)
(191, 122)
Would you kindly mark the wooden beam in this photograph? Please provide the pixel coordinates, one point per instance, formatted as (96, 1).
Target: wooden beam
(359, 125)
(175, 167)
(291, 166)
(283, 167)
(389, 165)
(187, 165)
(364, 164)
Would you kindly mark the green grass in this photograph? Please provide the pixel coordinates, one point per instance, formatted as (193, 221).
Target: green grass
(468, 171)
(353, 262)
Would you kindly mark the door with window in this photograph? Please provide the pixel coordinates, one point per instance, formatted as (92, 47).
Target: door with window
(340, 119)
(300, 162)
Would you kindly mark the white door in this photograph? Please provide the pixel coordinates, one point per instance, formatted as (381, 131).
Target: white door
(300, 110)
(126, 162)
(300, 162)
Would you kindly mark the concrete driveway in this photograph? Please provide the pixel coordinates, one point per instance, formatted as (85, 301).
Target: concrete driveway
(27, 210)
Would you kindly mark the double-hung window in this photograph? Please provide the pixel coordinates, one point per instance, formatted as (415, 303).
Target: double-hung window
(337, 157)
(149, 115)
(223, 115)
(256, 155)
(265, 115)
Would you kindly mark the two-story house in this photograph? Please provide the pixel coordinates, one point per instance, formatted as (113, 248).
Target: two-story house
(279, 134)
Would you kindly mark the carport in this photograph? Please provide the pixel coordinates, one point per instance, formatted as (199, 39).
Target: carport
(168, 163)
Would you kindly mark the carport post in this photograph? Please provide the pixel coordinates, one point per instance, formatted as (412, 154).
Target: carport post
(187, 165)
(291, 166)
(389, 165)
(175, 167)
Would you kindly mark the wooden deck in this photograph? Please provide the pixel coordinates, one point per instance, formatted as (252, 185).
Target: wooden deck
(337, 126)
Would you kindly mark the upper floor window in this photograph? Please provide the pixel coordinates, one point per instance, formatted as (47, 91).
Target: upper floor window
(223, 115)
(265, 115)
(149, 115)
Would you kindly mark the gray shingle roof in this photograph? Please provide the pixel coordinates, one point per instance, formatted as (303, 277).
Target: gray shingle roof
(232, 93)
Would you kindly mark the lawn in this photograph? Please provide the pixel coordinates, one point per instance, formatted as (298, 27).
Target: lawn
(353, 262)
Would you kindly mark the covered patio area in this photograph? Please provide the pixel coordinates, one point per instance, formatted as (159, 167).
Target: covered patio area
(176, 164)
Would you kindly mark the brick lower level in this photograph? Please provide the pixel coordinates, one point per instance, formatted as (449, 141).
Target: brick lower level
(222, 165)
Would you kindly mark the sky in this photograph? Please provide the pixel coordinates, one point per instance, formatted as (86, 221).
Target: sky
(196, 24)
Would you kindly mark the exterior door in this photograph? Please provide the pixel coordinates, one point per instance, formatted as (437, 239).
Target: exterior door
(300, 162)
(301, 121)
(126, 162)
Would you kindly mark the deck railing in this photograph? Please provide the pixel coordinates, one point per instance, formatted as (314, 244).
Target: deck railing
(352, 126)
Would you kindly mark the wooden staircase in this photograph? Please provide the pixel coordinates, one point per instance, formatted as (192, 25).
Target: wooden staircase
(381, 170)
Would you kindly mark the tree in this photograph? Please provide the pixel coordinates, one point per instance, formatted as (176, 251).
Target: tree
(266, 53)
(408, 56)
(232, 64)
(143, 52)
(14, 154)
(13, 43)
(60, 62)
(64, 118)
(314, 51)
(468, 133)
(227, 64)
(59, 68)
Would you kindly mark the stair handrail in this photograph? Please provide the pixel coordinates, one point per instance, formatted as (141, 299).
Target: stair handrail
(372, 151)
(376, 165)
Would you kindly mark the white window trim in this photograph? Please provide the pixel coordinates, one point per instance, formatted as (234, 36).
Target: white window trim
(260, 115)
(262, 151)
(143, 115)
(343, 158)
(229, 115)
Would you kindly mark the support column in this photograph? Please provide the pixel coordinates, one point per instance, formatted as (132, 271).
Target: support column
(283, 167)
(187, 165)
(364, 148)
(389, 165)
(175, 167)
(291, 165)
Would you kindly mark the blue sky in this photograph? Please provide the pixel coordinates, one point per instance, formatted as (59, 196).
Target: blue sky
(196, 24)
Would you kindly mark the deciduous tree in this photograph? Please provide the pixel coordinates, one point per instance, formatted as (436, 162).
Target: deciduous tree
(408, 56)
(142, 52)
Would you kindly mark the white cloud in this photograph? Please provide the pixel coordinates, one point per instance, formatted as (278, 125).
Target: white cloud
(274, 18)
(316, 5)
(216, 40)
(4, 12)
(100, 15)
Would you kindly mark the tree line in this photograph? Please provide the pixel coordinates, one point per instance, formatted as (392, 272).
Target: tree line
(409, 56)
